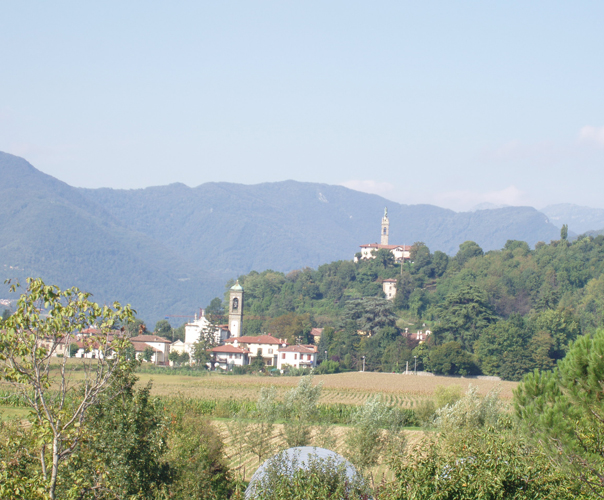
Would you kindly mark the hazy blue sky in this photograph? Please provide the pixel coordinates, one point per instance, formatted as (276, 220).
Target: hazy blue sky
(444, 102)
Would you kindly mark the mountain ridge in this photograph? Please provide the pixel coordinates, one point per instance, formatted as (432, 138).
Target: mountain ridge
(170, 249)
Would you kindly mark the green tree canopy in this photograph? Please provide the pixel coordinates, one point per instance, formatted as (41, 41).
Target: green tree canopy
(564, 409)
(451, 359)
(464, 314)
(163, 328)
(467, 251)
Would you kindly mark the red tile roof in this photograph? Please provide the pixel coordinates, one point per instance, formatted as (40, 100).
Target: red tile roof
(387, 247)
(229, 349)
(149, 338)
(260, 339)
(389, 280)
(141, 346)
(298, 348)
(91, 331)
(316, 332)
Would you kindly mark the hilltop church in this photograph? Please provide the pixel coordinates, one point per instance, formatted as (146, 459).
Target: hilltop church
(400, 252)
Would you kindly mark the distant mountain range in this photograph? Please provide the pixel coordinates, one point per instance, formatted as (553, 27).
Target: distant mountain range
(168, 250)
(580, 219)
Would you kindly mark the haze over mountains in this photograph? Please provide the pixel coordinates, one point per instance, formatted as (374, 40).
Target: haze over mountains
(579, 219)
(168, 250)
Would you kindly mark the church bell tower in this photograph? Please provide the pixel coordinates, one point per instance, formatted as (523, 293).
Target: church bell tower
(385, 227)
(236, 310)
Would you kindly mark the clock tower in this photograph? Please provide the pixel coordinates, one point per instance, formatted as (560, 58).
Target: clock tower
(236, 310)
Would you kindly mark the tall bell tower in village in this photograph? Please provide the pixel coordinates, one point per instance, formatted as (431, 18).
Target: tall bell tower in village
(236, 310)
(385, 227)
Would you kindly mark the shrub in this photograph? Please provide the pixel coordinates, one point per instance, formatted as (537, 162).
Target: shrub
(478, 463)
(196, 457)
(299, 411)
(285, 477)
(451, 359)
(327, 368)
(366, 440)
(471, 411)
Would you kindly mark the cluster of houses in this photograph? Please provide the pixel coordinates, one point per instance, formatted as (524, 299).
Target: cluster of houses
(276, 353)
(231, 348)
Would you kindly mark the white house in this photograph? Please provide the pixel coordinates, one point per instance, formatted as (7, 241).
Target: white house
(89, 346)
(141, 347)
(400, 252)
(389, 287)
(227, 356)
(56, 347)
(178, 346)
(421, 335)
(266, 346)
(298, 356)
(160, 345)
(89, 350)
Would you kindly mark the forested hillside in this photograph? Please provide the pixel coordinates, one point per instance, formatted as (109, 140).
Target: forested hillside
(501, 313)
(235, 228)
(48, 229)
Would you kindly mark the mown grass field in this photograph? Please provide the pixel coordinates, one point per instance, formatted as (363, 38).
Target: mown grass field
(348, 388)
(8, 412)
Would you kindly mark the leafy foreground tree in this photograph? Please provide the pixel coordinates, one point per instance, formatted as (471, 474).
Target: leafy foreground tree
(196, 456)
(564, 410)
(46, 318)
(123, 455)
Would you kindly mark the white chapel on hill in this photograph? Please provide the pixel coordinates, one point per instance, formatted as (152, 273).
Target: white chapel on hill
(400, 252)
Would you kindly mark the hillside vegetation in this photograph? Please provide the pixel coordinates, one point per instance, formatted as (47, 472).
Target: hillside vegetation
(501, 313)
(167, 250)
